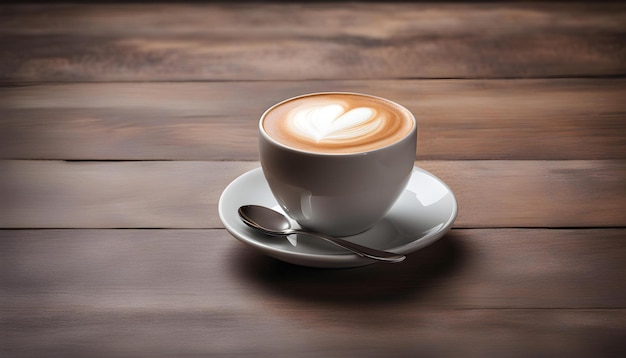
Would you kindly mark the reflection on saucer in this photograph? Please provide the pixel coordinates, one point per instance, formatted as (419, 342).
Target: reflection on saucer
(424, 213)
(436, 190)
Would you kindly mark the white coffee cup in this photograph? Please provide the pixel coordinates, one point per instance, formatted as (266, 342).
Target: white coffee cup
(337, 190)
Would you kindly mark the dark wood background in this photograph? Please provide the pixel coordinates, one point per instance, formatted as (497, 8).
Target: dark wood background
(121, 124)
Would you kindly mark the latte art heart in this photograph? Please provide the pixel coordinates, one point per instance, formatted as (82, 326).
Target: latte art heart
(332, 121)
(337, 123)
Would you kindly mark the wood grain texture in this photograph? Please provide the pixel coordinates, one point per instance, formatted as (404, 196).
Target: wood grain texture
(467, 119)
(309, 41)
(178, 194)
(437, 333)
(198, 292)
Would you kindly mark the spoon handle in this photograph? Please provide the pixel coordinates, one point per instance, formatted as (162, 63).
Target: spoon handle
(356, 248)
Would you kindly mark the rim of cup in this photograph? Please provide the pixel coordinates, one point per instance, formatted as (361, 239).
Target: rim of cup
(411, 132)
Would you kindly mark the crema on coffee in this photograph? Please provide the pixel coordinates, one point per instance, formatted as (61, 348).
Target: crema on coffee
(337, 123)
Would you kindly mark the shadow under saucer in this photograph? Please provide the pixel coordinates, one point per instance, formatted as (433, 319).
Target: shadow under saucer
(421, 271)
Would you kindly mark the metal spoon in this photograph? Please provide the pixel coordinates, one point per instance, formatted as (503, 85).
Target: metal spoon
(274, 223)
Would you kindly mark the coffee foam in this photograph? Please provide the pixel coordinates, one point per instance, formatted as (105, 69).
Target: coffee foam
(337, 123)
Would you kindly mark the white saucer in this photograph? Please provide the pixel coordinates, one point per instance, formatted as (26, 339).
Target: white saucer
(424, 213)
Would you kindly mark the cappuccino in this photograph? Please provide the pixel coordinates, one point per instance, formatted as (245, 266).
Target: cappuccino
(337, 123)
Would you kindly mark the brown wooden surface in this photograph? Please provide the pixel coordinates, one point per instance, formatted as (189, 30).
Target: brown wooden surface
(120, 125)
(533, 119)
(182, 194)
(316, 41)
(171, 292)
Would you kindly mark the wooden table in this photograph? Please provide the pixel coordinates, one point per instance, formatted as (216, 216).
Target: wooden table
(120, 125)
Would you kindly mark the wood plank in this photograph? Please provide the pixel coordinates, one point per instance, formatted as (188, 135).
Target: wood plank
(188, 292)
(55, 194)
(154, 332)
(309, 41)
(489, 119)
(105, 270)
